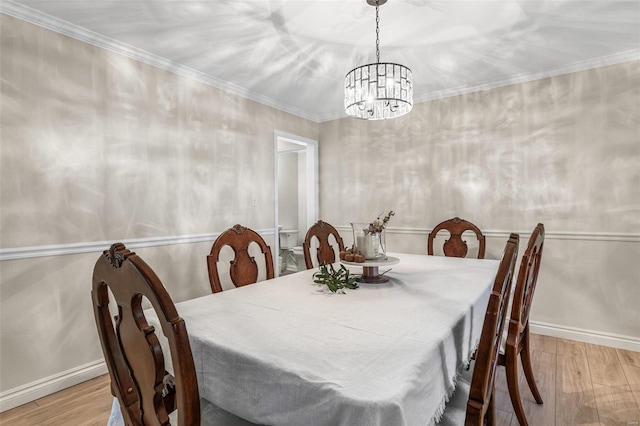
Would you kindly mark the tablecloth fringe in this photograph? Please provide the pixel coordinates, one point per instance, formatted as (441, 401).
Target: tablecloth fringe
(450, 391)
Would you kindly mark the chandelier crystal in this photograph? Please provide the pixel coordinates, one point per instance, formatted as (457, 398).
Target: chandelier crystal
(379, 90)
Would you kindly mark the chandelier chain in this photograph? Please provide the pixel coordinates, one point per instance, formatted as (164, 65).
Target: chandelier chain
(377, 32)
(379, 90)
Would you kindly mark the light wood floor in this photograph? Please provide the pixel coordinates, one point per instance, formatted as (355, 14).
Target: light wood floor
(581, 384)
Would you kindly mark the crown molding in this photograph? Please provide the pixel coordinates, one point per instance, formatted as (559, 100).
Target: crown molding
(525, 77)
(25, 13)
(36, 17)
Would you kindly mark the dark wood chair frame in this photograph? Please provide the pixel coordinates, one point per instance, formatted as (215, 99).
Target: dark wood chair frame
(455, 246)
(132, 350)
(517, 343)
(243, 267)
(325, 252)
(480, 406)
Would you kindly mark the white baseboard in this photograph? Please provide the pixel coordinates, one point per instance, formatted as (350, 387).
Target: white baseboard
(587, 336)
(43, 387)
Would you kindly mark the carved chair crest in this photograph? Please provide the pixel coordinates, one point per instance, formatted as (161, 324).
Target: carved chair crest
(131, 347)
(455, 246)
(324, 253)
(243, 268)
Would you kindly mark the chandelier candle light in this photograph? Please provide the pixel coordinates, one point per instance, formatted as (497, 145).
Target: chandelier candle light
(380, 90)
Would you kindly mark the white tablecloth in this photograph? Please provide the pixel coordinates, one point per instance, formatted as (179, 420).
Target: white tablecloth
(280, 352)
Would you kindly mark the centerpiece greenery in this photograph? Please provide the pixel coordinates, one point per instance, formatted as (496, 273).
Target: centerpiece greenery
(335, 280)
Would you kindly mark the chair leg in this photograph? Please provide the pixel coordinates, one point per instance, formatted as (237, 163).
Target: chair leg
(474, 417)
(491, 409)
(511, 370)
(525, 356)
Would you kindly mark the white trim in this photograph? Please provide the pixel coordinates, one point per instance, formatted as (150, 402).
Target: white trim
(551, 235)
(616, 58)
(292, 150)
(99, 246)
(313, 185)
(588, 336)
(276, 212)
(41, 19)
(43, 387)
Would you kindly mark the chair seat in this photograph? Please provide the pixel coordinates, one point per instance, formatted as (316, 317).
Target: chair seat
(456, 410)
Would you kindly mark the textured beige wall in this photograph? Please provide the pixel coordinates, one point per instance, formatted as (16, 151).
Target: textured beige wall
(99, 147)
(564, 151)
(95, 146)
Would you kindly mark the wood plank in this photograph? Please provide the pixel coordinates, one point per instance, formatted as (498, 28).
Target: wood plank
(87, 403)
(97, 385)
(629, 357)
(605, 367)
(636, 396)
(544, 370)
(543, 343)
(633, 376)
(14, 414)
(568, 347)
(615, 406)
(575, 399)
(503, 418)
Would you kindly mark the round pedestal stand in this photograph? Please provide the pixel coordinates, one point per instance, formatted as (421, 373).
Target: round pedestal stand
(370, 271)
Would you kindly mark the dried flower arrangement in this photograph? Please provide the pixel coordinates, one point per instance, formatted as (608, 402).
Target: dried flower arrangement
(375, 228)
(379, 224)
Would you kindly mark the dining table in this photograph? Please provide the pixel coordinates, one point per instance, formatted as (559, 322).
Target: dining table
(287, 351)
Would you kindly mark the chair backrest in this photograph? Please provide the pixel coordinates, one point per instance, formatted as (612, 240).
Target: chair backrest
(243, 268)
(482, 382)
(325, 252)
(131, 348)
(526, 285)
(455, 246)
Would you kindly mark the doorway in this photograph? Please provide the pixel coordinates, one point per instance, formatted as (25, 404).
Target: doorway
(296, 198)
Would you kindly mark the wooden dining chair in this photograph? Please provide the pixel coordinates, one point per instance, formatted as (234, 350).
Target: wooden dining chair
(146, 393)
(473, 401)
(325, 252)
(455, 246)
(517, 343)
(243, 268)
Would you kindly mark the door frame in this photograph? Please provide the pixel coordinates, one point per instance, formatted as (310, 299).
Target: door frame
(312, 185)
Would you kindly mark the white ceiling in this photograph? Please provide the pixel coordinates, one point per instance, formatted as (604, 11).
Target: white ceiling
(294, 54)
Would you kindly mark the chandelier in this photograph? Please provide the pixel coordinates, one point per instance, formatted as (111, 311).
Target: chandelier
(380, 90)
